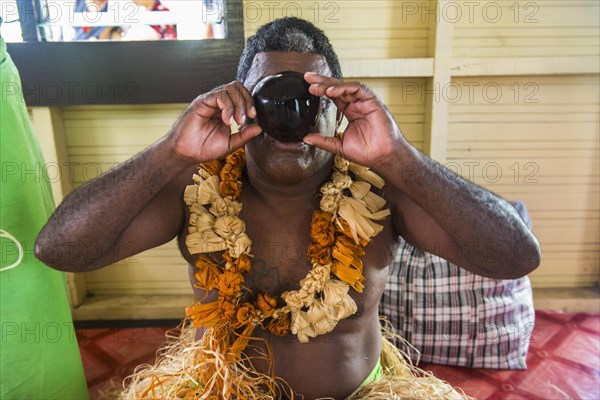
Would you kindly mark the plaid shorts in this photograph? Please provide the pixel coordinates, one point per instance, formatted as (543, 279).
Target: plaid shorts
(454, 317)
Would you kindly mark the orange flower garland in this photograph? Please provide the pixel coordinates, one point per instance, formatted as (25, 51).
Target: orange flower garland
(339, 230)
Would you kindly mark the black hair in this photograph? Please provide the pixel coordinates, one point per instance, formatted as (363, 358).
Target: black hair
(288, 34)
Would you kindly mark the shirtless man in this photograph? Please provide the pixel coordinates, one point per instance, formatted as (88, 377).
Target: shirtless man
(141, 202)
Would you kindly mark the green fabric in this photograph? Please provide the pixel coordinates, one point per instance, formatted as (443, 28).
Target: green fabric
(39, 356)
(375, 375)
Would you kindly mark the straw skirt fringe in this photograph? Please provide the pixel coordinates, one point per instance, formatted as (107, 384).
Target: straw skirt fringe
(402, 380)
(173, 377)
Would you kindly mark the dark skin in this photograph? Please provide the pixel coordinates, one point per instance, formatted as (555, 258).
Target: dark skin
(140, 206)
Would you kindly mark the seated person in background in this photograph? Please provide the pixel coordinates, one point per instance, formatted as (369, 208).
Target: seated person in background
(213, 13)
(454, 317)
(96, 32)
(287, 237)
(167, 32)
(138, 32)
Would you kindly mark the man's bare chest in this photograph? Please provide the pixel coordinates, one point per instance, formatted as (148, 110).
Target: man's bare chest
(280, 243)
(279, 250)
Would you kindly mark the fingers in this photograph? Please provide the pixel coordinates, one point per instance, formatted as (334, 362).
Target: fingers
(330, 144)
(246, 99)
(321, 85)
(232, 101)
(342, 93)
(313, 77)
(235, 95)
(246, 134)
(226, 106)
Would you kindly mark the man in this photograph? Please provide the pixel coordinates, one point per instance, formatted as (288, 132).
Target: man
(141, 202)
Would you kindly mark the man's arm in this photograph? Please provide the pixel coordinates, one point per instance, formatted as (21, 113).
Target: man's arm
(138, 205)
(127, 210)
(433, 208)
(447, 215)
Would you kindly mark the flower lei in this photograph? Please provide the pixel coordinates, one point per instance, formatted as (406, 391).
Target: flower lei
(339, 230)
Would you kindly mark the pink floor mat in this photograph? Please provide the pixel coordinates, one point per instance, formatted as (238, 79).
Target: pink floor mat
(563, 360)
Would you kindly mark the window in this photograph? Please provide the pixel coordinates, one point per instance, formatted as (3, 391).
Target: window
(10, 29)
(121, 51)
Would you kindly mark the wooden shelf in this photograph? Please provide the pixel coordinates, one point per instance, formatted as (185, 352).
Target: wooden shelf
(113, 307)
(524, 66)
(582, 299)
(424, 67)
(388, 68)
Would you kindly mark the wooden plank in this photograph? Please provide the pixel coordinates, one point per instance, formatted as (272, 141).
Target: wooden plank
(515, 180)
(48, 125)
(577, 266)
(562, 299)
(555, 153)
(492, 92)
(360, 68)
(527, 41)
(491, 13)
(501, 145)
(563, 3)
(376, 33)
(586, 213)
(583, 266)
(527, 31)
(355, 38)
(517, 52)
(133, 307)
(115, 135)
(407, 92)
(562, 281)
(541, 107)
(436, 127)
(405, 100)
(408, 118)
(525, 131)
(395, 52)
(155, 284)
(570, 249)
(590, 256)
(560, 201)
(566, 280)
(525, 66)
(507, 117)
(381, 43)
(73, 112)
(104, 149)
(327, 15)
(568, 80)
(91, 116)
(527, 168)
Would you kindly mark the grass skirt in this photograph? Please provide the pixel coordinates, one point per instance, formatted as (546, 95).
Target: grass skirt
(185, 369)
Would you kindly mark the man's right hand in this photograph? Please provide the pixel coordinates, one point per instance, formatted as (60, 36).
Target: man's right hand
(138, 204)
(203, 132)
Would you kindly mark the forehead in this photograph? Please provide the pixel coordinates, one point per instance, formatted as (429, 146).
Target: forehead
(265, 64)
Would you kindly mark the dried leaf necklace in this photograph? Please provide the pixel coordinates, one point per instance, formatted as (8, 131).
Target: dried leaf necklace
(339, 230)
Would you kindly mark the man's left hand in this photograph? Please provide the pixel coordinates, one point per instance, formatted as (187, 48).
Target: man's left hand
(372, 135)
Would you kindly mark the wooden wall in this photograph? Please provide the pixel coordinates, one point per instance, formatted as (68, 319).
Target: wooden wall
(504, 92)
(99, 138)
